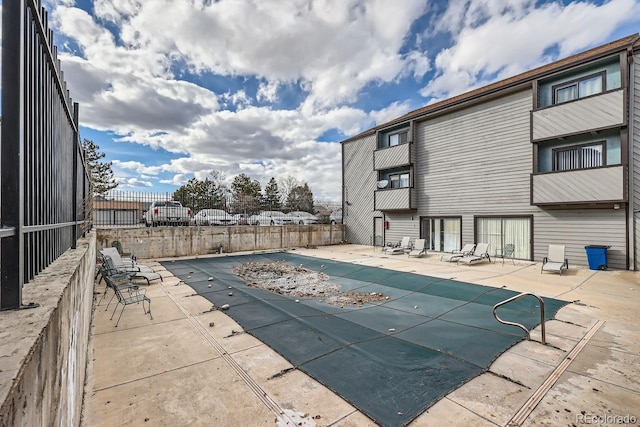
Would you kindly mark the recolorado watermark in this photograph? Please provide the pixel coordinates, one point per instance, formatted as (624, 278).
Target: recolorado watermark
(605, 419)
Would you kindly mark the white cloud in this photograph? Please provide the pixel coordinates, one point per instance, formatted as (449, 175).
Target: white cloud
(124, 183)
(177, 180)
(126, 76)
(501, 38)
(389, 113)
(335, 47)
(268, 91)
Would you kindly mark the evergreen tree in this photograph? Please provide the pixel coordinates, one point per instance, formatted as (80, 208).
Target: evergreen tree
(300, 199)
(245, 195)
(198, 195)
(101, 174)
(272, 200)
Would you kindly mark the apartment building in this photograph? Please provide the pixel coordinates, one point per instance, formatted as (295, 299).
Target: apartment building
(550, 156)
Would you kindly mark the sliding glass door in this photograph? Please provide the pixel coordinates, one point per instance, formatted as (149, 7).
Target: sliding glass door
(499, 231)
(441, 234)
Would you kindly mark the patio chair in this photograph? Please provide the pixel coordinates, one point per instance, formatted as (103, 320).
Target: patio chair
(116, 244)
(455, 255)
(419, 248)
(480, 254)
(555, 260)
(113, 279)
(140, 271)
(507, 252)
(133, 296)
(400, 248)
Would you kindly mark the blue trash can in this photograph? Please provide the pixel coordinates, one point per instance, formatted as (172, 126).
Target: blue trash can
(597, 256)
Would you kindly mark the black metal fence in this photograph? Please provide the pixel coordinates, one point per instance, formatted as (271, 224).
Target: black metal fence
(45, 189)
(129, 208)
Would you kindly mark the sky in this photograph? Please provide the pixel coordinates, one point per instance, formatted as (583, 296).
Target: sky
(175, 89)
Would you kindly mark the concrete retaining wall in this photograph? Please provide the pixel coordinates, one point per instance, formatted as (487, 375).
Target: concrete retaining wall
(43, 350)
(160, 242)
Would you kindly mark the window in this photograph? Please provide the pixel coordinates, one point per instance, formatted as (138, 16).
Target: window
(399, 180)
(442, 234)
(585, 86)
(398, 138)
(579, 157)
(500, 231)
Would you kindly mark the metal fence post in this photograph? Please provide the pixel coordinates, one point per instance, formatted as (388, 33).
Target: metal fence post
(11, 164)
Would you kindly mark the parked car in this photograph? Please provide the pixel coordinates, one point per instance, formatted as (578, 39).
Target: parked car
(168, 212)
(214, 217)
(302, 218)
(336, 217)
(241, 219)
(269, 218)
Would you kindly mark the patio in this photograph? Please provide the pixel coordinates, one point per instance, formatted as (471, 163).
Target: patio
(193, 365)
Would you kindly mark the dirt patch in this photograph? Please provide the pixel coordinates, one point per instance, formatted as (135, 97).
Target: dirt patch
(285, 279)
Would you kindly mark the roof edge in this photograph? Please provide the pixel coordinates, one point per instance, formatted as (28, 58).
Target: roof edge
(629, 42)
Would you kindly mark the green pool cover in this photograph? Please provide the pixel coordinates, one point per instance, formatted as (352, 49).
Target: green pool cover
(392, 359)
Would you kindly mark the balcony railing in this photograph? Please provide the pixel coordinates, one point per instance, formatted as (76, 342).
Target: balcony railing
(391, 157)
(592, 113)
(601, 185)
(394, 199)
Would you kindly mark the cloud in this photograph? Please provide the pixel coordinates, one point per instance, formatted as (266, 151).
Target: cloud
(334, 46)
(393, 111)
(498, 39)
(124, 183)
(130, 61)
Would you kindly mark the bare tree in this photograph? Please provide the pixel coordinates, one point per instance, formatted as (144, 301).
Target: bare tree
(286, 185)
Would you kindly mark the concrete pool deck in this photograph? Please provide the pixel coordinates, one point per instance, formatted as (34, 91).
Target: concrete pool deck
(150, 372)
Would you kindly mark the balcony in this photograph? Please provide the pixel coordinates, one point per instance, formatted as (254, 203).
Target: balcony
(602, 185)
(394, 199)
(592, 113)
(391, 157)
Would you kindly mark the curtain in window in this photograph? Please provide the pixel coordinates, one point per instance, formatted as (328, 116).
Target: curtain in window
(567, 160)
(590, 86)
(566, 93)
(404, 180)
(592, 156)
(489, 230)
(442, 234)
(451, 237)
(500, 231)
(518, 232)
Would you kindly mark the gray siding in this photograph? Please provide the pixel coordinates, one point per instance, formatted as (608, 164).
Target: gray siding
(360, 183)
(393, 199)
(392, 157)
(400, 225)
(580, 186)
(476, 161)
(578, 228)
(596, 112)
(634, 158)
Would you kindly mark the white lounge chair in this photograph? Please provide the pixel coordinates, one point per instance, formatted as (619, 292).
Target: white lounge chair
(480, 254)
(555, 260)
(130, 266)
(402, 247)
(455, 255)
(419, 248)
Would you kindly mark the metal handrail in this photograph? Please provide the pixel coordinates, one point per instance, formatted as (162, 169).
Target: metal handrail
(542, 317)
